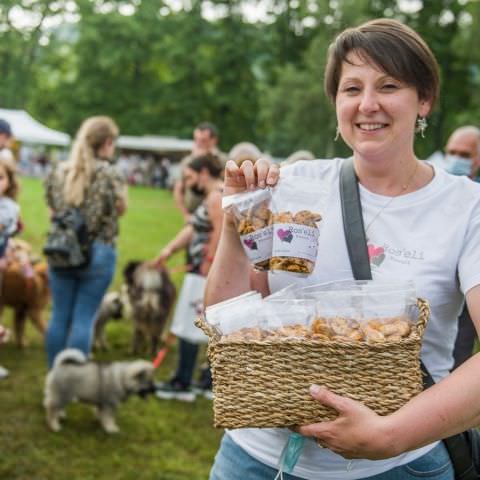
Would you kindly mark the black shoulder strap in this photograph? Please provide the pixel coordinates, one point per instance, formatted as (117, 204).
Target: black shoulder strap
(457, 445)
(353, 222)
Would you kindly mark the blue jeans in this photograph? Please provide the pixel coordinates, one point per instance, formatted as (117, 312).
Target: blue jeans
(77, 294)
(187, 358)
(233, 463)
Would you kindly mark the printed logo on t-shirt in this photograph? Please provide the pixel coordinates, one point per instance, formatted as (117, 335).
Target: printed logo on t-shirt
(376, 254)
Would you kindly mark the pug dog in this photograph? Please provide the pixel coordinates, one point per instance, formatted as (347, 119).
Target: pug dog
(104, 385)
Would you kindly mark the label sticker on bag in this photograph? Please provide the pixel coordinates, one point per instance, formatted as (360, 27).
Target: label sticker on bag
(294, 240)
(258, 244)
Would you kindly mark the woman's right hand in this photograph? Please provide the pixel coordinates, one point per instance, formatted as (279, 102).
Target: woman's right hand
(249, 176)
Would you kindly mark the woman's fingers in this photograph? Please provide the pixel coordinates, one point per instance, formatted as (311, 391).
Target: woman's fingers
(249, 174)
(262, 167)
(273, 175)
(326, 397)
(232, 171)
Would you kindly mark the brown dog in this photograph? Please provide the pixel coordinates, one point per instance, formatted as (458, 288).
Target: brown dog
(26, 291)
(152, 294)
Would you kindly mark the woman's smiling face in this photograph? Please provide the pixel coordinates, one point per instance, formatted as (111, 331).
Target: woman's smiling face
(376, 113)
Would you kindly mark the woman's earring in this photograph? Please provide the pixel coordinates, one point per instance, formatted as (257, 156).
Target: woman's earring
(337, 134)
(421, 125)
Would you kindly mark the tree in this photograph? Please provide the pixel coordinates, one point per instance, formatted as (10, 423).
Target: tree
(19, 46)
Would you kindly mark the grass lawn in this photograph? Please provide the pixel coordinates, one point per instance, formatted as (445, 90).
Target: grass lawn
(162, 440)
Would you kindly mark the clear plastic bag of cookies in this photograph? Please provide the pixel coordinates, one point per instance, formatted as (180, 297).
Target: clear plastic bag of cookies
(289, 292)
(403, 291)
(371, 314)
(298, 208)
(239, 321)
(287, 319)
(234, 313)
(253, 221)
(252, 319)
(216, 315)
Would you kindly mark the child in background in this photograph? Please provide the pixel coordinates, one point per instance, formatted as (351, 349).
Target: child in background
(9, 216)
(9, 209)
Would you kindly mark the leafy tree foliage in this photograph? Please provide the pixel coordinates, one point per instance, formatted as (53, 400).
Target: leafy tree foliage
(157, 70)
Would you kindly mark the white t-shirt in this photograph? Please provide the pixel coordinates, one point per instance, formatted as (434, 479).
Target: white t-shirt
(7, 154)
(431, 236)
(9, 213)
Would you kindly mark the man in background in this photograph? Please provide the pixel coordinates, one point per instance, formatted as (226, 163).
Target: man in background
(205, 138)
(462, 157)
(463, 152)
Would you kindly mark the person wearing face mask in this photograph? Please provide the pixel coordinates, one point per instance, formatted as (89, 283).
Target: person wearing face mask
(462, 158)
(200, 238)
(462, 153)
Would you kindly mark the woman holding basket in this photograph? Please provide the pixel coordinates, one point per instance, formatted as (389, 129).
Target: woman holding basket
(383, 80)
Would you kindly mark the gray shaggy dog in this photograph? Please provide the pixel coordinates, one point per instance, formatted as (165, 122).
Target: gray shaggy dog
(105, 385)
(151, 294)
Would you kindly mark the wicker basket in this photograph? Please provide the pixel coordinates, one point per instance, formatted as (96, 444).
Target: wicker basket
(266, 384)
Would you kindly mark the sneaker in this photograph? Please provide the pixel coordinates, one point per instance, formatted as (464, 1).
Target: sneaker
(174, 391)
(208, 394)
(204, 390)
(4, 373)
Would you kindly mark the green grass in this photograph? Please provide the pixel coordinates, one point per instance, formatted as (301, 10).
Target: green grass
(159, 440)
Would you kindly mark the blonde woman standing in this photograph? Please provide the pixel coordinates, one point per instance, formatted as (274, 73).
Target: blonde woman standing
(90, 183)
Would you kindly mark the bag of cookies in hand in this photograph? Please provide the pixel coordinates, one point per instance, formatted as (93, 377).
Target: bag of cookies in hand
(298, 207)
(253, 221)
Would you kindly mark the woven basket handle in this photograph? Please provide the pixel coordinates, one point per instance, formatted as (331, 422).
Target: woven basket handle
(423, 315)
(201, 323)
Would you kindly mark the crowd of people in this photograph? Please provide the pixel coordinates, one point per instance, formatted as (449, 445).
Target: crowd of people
(384, 82)
(145, 170)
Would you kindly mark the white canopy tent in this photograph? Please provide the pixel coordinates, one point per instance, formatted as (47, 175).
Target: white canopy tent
(28, 130)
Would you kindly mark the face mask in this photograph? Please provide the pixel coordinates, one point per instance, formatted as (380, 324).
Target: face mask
(457, 165)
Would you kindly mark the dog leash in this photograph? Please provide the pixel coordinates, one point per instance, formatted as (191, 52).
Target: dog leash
(162, 353)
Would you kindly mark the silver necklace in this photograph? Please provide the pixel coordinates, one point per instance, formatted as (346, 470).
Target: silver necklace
(405, 187)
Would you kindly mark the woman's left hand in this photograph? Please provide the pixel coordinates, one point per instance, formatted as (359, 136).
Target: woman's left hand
(357, 432)
(162, 257)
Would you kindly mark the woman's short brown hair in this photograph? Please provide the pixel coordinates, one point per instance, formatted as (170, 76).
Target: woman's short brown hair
(391, 46)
